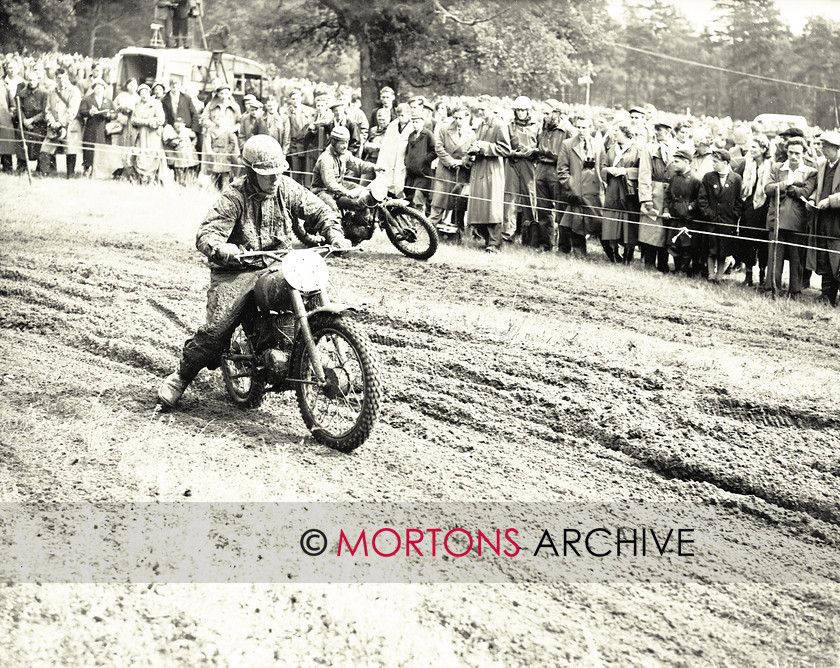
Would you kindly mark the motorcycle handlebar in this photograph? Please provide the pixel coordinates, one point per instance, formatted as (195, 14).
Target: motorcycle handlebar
(325, 250)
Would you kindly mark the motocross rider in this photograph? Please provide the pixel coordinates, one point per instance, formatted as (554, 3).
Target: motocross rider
(253, 213)
(330, 170)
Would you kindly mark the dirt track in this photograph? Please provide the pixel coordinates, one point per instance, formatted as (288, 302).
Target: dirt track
(533, 379)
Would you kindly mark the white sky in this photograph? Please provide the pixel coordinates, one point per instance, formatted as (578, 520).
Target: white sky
(795, 12)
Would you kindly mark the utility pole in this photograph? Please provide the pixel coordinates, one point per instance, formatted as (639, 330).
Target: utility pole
(586, 80)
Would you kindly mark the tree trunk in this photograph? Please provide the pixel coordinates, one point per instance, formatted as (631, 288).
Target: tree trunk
(376, 67)
(94, 26)
(370, 91)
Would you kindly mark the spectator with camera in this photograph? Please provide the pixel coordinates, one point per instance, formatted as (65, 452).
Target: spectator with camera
(578, 172)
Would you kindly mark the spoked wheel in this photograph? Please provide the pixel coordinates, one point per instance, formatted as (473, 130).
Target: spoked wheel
(411, 233)
(244, 385)
(308, 240)
(342, 412)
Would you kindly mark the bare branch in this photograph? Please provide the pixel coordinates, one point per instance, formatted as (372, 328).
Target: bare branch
(445, 14)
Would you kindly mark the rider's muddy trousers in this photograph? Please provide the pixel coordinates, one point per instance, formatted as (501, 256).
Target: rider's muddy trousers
(227, 297)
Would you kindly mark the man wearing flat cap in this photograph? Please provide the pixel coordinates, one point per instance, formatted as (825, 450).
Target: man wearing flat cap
(824, 225)
(251, 122)
(419, 154)
(338, 107)
(653, 181)
(681, 212)
(781, 145)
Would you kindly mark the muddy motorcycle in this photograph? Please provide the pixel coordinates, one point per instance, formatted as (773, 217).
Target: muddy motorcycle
(409, 230)
(293, 338)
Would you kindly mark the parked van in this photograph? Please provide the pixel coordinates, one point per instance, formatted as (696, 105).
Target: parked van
(781, 121)
(192, 66)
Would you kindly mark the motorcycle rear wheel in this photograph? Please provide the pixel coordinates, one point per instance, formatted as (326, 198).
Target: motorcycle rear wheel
(244, 384)
(342, 413)
(308, 240)
(411, 232)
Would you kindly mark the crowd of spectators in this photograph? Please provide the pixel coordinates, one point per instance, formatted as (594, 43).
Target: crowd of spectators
(689, 195)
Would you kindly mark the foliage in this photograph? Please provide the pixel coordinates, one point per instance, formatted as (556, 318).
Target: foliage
(449, 48)
(34, 25)
(466, 47)
(817, 54)
(103, 27)
(755, 40)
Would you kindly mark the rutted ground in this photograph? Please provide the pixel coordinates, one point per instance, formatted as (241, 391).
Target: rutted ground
(534, 379)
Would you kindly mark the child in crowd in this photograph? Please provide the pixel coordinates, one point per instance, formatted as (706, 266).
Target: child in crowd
(221, 149)
(180, 150)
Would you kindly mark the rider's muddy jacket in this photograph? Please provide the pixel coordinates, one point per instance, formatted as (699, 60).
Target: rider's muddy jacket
(244, 216)
(330, 170)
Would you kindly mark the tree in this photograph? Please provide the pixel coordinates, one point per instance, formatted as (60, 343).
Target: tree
(821, 38)
(758, 42)
(34, 25)
(103, 27)
(441, 45)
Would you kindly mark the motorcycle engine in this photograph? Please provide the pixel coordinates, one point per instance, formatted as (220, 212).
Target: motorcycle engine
(276, 364)
(358, 226)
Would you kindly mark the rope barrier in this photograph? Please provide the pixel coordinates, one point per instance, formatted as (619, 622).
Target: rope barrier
(131, 151)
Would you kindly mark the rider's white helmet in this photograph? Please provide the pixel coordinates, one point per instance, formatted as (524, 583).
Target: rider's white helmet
(522, 103)
(264, 155)
(340, 133)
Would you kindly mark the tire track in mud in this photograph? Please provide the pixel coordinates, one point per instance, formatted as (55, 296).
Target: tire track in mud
(95, 307)
(508, 397)
(456, 386)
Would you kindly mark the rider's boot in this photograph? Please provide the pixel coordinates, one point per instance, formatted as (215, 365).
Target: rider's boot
(172, 388)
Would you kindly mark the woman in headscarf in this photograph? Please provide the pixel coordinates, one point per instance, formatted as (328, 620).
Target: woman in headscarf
(752, 229)
(148, 119)
(125, 103)
(620, 172)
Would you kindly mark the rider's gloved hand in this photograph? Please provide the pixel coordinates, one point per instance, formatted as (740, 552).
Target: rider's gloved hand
(227, 253)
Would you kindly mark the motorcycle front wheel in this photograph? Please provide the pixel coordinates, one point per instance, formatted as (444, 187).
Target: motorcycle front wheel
(244, 385)
(410, 232)
(342, 412)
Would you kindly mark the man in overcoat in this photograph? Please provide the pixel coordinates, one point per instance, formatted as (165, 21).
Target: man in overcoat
(62, 118)
(790, 182)
(419, 154)
(486, 206)
(579, 174)
(653, 181)
(178, 104)
(825, 221)
(452, 141)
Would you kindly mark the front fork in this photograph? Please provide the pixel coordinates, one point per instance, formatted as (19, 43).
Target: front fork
(303, 322)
